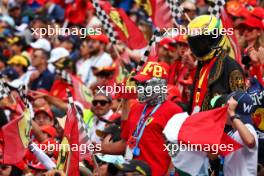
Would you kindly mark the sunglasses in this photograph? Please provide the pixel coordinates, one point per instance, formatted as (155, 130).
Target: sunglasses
(101, 102)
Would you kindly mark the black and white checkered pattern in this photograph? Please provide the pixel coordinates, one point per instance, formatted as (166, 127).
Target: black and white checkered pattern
(22, 91)
(64, 75)
(4, 90)
(83, 133)
(152, 41)
(105, 20)
(175, 9)
(215, 9)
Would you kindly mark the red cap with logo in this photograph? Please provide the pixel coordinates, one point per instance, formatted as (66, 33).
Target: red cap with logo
(46, 110)
(102, 38)
(49, 130)
(236, 9)
(181, 39)
(151, 70)
(165, 42)
(252, 22)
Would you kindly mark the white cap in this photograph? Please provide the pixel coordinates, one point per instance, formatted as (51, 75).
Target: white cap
(58, 53)
(41, 44)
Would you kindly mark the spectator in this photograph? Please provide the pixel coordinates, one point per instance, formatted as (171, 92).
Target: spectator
(44, 116)
(98, 58)
(20, 65)
(244, 161)
(41, 78)
(101, 112)
(154, 105)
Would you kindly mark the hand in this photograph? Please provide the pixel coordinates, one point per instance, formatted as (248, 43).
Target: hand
(36, 95)
(261, 54)
(232, 104)
(253, 54)
(107, 140)
(54, 172)
(34, 75)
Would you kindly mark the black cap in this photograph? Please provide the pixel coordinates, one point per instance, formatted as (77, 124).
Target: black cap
(112, 129)
(135, 166)
(10, 73)
(245, 105)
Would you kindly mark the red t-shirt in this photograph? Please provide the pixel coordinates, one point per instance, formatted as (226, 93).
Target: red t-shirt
(151, 143)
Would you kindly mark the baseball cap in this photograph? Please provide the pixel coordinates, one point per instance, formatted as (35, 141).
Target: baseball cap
(252, 22)
(135, 166)
(245, 105)
(12, 4)
(236, 9)
(58, 53)
(181, 39)
(41, 44)
(10, 73)
(114, 159)
(151, 70)
(112, 129)
(45, 109)
(16, 40)
(49, 130)
(258, 12)
(102, 38)
(104, 71)
(18, 60)
(166, 43)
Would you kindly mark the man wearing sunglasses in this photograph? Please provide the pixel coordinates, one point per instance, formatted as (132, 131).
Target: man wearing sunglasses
(100, 113)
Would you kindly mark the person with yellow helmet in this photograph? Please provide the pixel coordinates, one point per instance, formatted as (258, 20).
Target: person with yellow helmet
(217, 73)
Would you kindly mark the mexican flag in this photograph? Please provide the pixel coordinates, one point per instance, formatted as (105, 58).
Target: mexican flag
(197, 135)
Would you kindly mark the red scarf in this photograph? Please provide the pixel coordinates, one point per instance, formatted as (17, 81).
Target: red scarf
(202, 84)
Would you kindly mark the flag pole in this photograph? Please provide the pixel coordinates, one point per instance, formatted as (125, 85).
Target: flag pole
(69, 158)
(68, 163)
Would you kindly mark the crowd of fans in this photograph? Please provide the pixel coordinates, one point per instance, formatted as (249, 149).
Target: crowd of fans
(31, 59)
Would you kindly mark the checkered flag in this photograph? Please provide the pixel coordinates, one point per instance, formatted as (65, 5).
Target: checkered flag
(64, 75)
(105, 20)
(175, 9)
(152, 41)
(4, 90)
(22, 91)
(83, 132)
(215, 9)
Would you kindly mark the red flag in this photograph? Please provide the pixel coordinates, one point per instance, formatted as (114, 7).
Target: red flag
(228, 141)
(127, 30)
(159, 12)
(81, 92)
(68, 159)
(207, 128)
(75, 13)
(16, 137)
(162, 15)
(227, 23)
